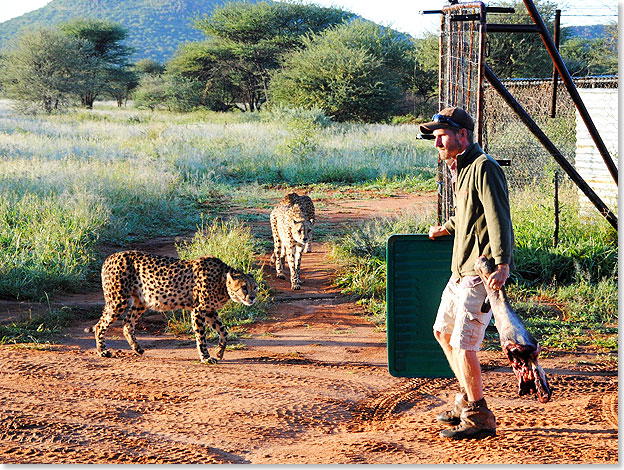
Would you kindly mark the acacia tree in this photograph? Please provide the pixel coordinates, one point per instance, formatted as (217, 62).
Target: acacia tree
(245, 43)
(596, 56)
(354, 71)
(105, 37)
(520, 55)
(425, 81)
(46, 69)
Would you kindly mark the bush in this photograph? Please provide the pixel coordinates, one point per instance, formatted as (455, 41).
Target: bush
(170, 92)
(353, 72)
(232, 243)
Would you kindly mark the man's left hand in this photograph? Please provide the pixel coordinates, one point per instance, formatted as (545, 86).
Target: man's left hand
(497, 279)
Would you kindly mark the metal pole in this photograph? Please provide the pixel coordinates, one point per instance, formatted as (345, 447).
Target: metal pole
(553, 105)
(567, 79)
(550, 147)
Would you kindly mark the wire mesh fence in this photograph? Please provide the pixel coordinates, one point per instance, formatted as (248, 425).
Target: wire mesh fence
(502, 133)
(506, 136)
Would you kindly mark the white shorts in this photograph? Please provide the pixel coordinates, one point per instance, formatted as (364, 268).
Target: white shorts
(460, 315)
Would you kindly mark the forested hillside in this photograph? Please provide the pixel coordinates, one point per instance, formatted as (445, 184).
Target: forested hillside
(155, 27)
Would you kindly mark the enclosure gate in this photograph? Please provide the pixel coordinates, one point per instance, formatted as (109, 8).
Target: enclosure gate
(462, 71)
(462, 39)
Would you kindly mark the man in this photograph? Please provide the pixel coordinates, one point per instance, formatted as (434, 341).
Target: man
(481, 225)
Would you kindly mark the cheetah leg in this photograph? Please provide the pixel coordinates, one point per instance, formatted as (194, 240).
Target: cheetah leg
(112, 311)
(278, 251)
(199, 327)
(132, 317)
(217, 326)
(308, 246)
(293, 264)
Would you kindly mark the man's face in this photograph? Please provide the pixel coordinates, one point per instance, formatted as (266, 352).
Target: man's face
(449, 143)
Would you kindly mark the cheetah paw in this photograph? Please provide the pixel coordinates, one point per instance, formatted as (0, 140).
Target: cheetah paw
(106, 353)
(281, 276)
(208, 360)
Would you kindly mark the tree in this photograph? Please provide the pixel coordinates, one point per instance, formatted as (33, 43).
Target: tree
(598, 56)
(148, 67)
(425, 83)
(46, 69)
(520, 55)
(245, 44)
(171, 92)
(353, 71)
(106, 38)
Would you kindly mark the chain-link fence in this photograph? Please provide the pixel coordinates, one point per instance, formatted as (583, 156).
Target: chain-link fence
(506, 137)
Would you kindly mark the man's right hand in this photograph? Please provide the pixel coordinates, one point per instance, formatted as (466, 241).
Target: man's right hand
(437, 231)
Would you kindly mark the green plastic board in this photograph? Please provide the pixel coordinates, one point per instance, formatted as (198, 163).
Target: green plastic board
(418, 270)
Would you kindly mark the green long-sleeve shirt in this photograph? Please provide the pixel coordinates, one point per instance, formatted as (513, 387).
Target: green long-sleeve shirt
(482, 220)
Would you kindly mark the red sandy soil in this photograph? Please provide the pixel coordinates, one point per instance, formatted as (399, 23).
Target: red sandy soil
(308, 385)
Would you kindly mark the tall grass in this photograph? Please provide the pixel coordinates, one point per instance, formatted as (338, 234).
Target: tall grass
(231, 242)
(121, 175)
(568, 294)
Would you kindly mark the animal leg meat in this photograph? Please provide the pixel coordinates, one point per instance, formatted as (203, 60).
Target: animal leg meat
(518, 344)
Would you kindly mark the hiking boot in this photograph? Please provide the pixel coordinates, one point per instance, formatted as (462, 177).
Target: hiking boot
(476, 422)
(451, 417)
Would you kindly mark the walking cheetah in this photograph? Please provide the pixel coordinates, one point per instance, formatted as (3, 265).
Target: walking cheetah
(308, 210)
(135, 281)
(291, 224)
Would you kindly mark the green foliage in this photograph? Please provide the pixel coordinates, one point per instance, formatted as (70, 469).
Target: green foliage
(232, 243)
(598, 56)
(425, 81)
(520, 55)
(587, 247)
(245, 44)
(112, 74)
(361, 252)
(47, 241)
(37, 330)
(351, 71)
(155, 28)
(170, 92)
(45, 70)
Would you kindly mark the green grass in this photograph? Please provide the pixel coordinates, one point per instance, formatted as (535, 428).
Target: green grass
(38, 331)
(118, 176)
(578, 276)
(231, 242)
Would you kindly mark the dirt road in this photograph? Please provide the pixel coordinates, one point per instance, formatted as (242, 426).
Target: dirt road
(308, 385)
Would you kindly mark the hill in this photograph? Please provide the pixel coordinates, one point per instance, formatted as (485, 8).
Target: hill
(155, 27)
(593, 31)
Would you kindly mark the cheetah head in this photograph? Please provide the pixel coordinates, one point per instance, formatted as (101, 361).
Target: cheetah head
(242, 288)
(301, 230)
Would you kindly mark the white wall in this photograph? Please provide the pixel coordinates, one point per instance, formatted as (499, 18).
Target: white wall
(602, 105)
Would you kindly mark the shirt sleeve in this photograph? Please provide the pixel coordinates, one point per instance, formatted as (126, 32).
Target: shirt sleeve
(494, 196)
(449, 225)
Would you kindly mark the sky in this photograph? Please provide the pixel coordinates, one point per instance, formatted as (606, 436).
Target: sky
(402, 15)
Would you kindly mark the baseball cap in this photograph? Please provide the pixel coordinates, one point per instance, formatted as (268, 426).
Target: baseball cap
(448, 118)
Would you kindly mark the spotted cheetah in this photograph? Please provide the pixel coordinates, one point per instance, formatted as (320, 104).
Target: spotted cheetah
(291, 223)
(135, 281)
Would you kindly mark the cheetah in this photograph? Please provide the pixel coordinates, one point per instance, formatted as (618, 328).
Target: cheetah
(135, 281)
(292, 221)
